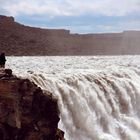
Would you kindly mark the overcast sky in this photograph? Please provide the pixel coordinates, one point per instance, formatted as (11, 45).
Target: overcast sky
(79, 16)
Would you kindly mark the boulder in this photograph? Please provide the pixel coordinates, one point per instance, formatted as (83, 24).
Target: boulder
(26, 112)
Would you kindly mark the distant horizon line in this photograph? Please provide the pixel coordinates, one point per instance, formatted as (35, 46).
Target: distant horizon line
(73, 33)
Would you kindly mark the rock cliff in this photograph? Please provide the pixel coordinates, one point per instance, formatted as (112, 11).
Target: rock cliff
(17, 39)
(26, 112)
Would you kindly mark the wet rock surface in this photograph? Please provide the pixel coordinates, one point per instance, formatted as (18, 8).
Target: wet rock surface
(26, 113)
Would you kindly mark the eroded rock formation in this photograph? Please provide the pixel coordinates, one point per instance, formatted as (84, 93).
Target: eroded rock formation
(26, 113)
(17, 39)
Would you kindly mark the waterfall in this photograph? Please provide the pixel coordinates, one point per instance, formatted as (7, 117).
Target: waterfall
(96, 104)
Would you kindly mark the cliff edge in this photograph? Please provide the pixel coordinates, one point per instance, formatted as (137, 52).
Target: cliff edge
(26, 112)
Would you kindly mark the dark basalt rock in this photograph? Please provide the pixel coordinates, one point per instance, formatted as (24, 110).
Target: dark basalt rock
(26, 112)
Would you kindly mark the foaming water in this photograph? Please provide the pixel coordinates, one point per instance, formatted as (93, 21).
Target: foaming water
(98, 97)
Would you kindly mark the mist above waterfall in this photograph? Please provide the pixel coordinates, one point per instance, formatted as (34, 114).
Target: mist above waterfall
(98, 97)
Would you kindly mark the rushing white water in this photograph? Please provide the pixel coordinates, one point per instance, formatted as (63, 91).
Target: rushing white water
(98, 97)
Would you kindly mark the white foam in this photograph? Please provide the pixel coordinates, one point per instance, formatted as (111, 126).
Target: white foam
(98, 97)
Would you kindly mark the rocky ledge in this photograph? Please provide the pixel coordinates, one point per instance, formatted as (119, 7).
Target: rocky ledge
(26, 113)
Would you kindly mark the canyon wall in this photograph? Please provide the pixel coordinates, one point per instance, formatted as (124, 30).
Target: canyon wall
(18, 39)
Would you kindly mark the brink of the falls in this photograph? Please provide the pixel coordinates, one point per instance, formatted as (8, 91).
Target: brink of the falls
(98, 97)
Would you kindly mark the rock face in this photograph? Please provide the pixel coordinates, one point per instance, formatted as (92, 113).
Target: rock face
(26, 113)
(17, 39)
